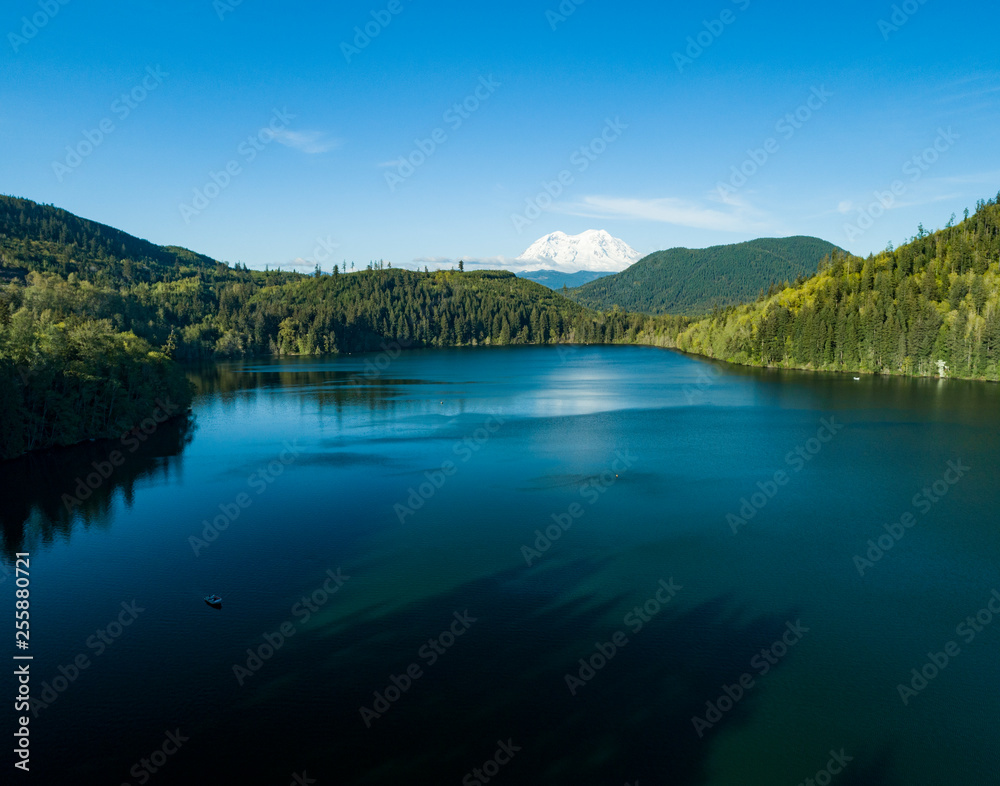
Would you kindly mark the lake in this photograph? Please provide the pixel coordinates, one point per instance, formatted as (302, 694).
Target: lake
(538, 565)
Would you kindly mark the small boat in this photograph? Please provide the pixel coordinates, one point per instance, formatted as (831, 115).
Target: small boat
(857, 379)
(213, 600)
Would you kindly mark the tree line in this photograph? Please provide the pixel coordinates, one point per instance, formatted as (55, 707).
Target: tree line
(92, 320)
(930, 307)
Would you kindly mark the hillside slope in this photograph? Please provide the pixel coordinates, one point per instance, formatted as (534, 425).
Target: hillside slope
(694, 281)
(51, 240)
(933, 301)
(91, 318)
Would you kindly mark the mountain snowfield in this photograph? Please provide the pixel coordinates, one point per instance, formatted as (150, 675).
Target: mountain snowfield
(593, 250)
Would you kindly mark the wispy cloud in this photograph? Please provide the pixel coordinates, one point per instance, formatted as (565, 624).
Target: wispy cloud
(311, 142)
(506, 263)
(297, 263)
(975, 179)
(486, 263)
(737, 216)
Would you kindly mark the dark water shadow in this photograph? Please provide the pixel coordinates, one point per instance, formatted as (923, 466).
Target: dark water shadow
(503, 679)
(48, 493)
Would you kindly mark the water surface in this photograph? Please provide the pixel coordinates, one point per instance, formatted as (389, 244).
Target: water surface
(403, 498)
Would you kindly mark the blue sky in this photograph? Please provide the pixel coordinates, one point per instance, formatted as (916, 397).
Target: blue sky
(132, 115)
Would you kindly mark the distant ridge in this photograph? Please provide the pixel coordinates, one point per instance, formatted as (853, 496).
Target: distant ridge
(690, 282)
(553, 279)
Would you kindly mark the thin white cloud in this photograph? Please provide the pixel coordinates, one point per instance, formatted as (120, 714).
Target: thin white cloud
(311, 142)
(298, 262)
(499, 263)
(974, 179)
(485, 263)
(670, 210)
(928, 200)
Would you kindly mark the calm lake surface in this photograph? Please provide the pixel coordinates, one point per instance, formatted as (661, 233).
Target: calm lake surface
(404, 505)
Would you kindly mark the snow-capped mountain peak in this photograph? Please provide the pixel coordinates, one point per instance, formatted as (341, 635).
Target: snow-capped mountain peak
(591, 250)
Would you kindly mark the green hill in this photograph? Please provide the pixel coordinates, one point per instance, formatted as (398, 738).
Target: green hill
(51, 240)
(694, 281)
(904, 311)
(91, 320)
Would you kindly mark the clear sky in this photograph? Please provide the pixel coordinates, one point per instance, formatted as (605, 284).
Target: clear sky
(130, 114)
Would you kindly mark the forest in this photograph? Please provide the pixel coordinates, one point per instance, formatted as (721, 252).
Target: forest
(85, 308)
(96, 324)
(694, 281)
(928, 308)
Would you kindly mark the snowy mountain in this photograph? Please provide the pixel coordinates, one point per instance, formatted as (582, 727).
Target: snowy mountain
(593, 251)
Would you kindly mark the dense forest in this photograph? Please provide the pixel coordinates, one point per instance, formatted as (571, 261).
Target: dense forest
(930, 307)
(85, 308)
(694, 281)
(92, 321)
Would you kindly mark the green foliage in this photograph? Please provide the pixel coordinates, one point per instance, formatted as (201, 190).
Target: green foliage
(83, 309)
(901, 312)
(694, 281)
(62, 382)
(84, 305)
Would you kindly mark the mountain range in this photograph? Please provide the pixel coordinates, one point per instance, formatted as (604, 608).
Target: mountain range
(593, 250)
(554, 279)
(694, 281)
(92, 319)
(573, 260)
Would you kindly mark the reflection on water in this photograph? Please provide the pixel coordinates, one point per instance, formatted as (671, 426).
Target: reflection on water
(370, 436)
(49, 492)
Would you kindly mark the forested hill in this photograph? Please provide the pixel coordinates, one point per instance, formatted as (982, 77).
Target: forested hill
(91, 318)
(900, 312)
(694, 281)
(49, 239)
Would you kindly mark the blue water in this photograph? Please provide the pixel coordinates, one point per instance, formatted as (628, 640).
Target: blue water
(388, 510)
